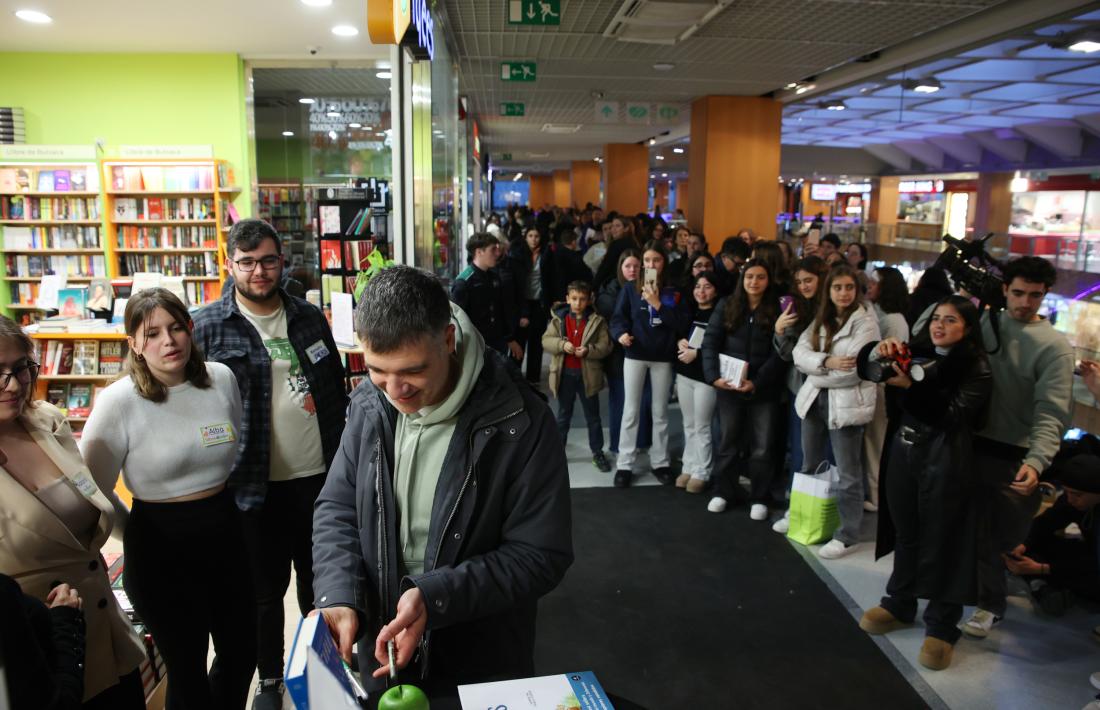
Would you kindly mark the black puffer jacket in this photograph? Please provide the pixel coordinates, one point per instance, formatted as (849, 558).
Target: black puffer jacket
(500, 535)
(751, 342)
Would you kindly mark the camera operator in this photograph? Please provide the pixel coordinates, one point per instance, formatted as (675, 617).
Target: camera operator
(1029, 410)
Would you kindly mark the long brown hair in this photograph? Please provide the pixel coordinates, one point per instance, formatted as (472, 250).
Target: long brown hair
(12, 335)
(627, 253)
(827, 315)
(657, 248)
(138, 310)
(737, 306)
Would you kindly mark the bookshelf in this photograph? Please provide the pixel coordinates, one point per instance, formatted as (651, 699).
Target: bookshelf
(51, 219)
(169, 217)
(351, 223)
(75, 366)
(283, 205)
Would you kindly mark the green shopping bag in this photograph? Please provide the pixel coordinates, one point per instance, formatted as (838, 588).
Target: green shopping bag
(813, 513)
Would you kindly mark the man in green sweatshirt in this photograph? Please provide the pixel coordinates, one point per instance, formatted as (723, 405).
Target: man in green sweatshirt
(1028, 412)
(445, 515)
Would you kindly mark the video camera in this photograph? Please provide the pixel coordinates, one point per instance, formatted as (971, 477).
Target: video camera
(972, 269)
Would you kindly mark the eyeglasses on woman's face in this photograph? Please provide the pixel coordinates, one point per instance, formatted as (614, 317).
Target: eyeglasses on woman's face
(24, 374)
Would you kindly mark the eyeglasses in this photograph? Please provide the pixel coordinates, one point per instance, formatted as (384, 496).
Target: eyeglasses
(23, 375)
(267, 262)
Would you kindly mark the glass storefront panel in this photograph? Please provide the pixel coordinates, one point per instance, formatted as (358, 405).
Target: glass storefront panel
(1054, 213)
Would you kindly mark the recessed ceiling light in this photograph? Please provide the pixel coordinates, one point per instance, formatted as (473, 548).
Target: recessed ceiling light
(517, 177)
(791, 85)
(333, 114)
(664, 174)
(804, 88)
(345, 31)
(317, 3)
(288, 133)
(664, 66)
(677, 150)
(304, 100)
(1087, 46)
(384, 75)
(652, 176)
(355, 125)
(660, 157)
(38, 18)
(832, 105)
(653, 141)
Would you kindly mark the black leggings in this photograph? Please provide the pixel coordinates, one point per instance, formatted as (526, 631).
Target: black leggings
(187, 577)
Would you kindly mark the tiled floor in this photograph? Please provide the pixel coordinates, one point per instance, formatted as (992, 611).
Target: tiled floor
(1028, 662)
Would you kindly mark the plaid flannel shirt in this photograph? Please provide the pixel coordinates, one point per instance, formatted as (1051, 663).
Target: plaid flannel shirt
(226, 336)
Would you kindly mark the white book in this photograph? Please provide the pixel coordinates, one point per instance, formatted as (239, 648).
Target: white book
(17, 238)
(567, 690)
(144, 280)
(732, 369)
(695, 340)
(343, 330)
(48, 291)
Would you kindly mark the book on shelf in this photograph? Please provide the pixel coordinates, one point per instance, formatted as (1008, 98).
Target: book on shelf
(45, 181)
(330, 219)
(330, 255)
(86, 357)
(132, 209)
(111, 354)
(357, 254)
(27, 179)
(162, 178)
(72, 302)
(23, 177)
(57, 394)
(204, 264)
(80, 399)
(100, 293)
(61, 180)
(164, 237)
(55, 237)
(63, 358)
(49, 291)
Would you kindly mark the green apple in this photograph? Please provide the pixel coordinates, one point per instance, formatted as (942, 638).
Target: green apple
(403, 697)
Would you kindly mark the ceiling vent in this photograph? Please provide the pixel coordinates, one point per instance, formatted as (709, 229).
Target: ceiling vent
(561, 128)
(662, 21)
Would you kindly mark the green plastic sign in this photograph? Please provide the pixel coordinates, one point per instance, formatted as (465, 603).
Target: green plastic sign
(512, 108)
(534, 12)
(505, 156)
(517, 71)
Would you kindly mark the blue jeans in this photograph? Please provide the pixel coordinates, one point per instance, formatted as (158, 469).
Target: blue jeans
(570, 387)
(848, 447)
(616, 395)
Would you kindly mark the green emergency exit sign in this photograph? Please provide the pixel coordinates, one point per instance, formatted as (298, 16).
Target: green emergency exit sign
(534, 12)
(517, 71)
(512, 108)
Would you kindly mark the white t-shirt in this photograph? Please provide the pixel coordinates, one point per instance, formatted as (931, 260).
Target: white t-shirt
(295, 435)
(183, 445)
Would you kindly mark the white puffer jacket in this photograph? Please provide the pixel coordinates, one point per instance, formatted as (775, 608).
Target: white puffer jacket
(851, 400)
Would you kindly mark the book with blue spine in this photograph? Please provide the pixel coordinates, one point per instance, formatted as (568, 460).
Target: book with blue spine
(313, 635)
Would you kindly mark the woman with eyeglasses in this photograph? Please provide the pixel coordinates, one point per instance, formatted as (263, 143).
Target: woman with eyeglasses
(54, 518)
(170, 425)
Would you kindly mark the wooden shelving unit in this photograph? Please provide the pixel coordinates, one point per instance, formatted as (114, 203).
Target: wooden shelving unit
(283, 205)
(171, 217)
(44, 230)
(89, 382)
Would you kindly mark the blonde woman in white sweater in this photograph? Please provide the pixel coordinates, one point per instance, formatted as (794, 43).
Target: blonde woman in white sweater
(833, 402)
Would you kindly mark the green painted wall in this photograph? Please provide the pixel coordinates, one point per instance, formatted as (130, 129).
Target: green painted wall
(133, 99)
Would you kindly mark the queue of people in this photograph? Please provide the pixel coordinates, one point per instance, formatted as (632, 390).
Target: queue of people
(949, 461)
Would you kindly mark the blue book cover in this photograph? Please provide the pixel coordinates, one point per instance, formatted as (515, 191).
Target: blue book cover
(314, 634)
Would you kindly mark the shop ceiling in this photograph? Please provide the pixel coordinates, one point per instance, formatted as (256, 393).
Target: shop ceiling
(751, 48)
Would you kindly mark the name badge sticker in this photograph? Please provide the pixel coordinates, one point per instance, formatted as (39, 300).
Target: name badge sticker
(317, 352)
(84, 484)
(214, 434)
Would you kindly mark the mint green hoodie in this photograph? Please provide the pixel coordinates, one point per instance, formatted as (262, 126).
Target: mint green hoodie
(420, 446)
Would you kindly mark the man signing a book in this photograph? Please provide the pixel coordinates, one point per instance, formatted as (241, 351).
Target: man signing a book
(446, 514)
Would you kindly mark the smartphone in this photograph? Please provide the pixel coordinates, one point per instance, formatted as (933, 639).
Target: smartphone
(785, 302)
(651, 277)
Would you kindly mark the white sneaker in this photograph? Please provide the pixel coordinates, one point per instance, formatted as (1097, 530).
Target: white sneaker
(782, 525)
(834, 549)
(1095, 680)
(759, 511)
(717, 504)
(979, 623)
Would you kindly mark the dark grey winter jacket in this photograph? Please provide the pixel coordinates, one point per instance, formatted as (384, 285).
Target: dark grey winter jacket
(500, 534)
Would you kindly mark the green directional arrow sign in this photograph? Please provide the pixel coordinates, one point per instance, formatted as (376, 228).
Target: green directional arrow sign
(517, 71)
(534, 12)
(512, 108)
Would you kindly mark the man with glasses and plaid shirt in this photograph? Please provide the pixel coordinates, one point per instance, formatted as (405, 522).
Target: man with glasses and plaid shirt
(291, 379)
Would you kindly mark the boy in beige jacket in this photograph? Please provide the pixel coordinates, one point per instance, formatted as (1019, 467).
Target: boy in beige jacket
(578, 340)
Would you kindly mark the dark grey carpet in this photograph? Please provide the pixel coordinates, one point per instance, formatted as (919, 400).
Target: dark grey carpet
(676, 608)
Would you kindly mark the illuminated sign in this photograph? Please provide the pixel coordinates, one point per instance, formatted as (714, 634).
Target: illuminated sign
(421, 42)
(826, 192)
(920, 186)
(387, 20)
